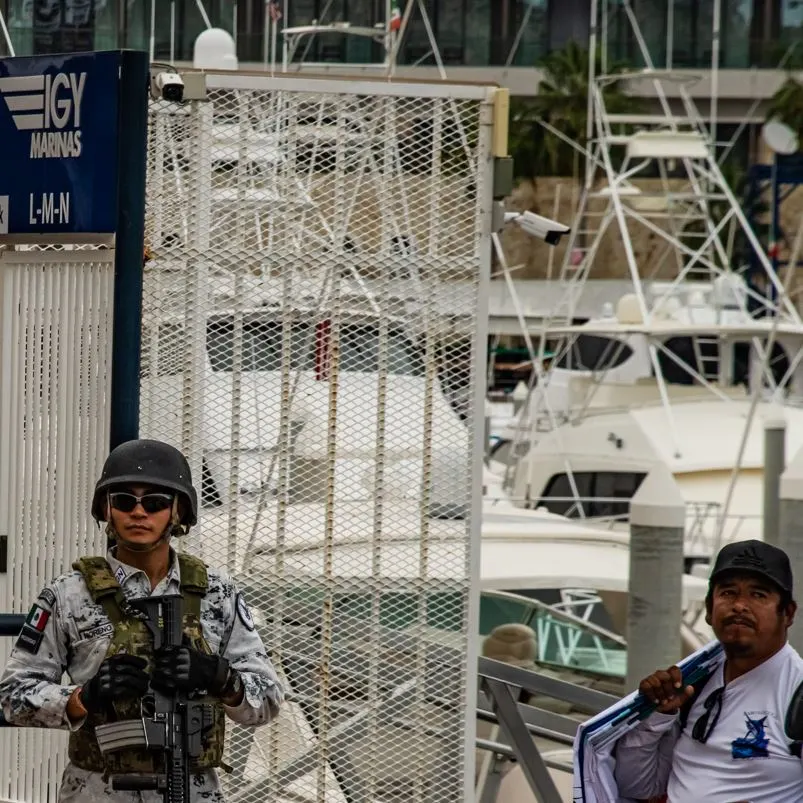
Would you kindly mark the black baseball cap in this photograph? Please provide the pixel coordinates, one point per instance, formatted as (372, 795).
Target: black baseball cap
(756, 557)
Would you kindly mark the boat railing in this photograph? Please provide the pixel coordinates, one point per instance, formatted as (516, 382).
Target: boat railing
(505, 700)
(704, 519)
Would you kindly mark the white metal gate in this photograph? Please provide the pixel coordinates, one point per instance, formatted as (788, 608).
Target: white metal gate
(55, 354)
(313, 310)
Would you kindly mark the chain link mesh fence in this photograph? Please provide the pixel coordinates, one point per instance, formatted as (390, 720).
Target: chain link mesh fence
(309, 337)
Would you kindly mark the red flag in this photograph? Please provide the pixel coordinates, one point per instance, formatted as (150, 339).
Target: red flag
(323, 354)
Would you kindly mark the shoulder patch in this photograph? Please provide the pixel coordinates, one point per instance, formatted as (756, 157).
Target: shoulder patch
(29, 639)
(244, 613)
(33, 631)
(47, 597)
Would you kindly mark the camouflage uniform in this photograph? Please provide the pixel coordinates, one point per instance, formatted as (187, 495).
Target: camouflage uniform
(74, 638)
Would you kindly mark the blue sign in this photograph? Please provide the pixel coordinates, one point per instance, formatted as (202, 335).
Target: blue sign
(58, 129)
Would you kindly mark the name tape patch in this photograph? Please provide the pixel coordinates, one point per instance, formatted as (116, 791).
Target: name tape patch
(96, 632)
(244, 613)
(29, 639)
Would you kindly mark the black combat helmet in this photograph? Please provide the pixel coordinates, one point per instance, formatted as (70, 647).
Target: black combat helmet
(146, 462)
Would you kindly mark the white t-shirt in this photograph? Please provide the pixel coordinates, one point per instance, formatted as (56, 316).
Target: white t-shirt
(746, 757)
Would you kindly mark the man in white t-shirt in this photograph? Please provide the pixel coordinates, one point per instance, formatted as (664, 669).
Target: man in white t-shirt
(725, 741)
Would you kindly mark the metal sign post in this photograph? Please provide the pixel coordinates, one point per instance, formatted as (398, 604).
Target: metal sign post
(72, 194)
(74, 134)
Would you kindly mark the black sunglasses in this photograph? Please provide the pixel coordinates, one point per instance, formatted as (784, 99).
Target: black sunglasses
(708, 720)
(151, 503)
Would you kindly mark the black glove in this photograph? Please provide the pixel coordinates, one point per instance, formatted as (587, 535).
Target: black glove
(187, 670)
(120, 676)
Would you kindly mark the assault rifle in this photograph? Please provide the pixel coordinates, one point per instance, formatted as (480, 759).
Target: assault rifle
(173, 724)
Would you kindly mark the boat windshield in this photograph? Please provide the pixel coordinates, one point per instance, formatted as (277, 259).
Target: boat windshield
(360, 347)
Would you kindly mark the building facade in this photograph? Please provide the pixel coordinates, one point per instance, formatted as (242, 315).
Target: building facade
(482, 40)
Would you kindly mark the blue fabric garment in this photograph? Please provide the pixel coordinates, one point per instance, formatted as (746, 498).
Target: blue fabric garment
(595, 738)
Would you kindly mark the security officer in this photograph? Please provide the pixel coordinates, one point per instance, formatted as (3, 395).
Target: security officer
(81, 625)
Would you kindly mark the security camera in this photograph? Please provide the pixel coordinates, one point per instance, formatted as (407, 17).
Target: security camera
(536, 226)
(167, 85)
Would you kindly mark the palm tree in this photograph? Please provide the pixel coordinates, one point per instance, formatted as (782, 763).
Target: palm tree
(562, 101)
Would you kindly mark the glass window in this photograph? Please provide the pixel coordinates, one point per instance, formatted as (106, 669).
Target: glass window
(496, 611)
(652, 20)
(569, 646)
(450, 24)
(61, 26)
(415, 47)
(262, 347)
(692, 32)
(559, 498)
(106, 24)
(478, 29)
(360, 49)
(522, 20)
(399, 611)
(701, 356)
(736, 23)
(168, 352)
(138, 23)
(598, 492)
(187, 15)
(594, 353)
(535, 28)
(335, 47)
(562, 643)
(788, 32)
(621, 43)
(189, 24)
(704, 359)
(20, 25)
(302, 12)
(359, 351)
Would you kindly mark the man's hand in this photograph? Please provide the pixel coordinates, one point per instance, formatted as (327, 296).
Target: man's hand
(665, 688)
(187, 670)
(120, 676)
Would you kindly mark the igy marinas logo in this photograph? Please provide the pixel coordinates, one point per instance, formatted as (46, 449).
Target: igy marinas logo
(49, 106)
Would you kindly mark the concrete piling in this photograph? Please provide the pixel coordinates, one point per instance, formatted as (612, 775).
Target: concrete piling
(774, 465)
(655, 604)
(790, 530)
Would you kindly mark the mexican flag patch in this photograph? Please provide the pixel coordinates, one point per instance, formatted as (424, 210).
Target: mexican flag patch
(37, 618)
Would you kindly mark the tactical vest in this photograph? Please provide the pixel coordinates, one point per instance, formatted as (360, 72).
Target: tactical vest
(131, 636)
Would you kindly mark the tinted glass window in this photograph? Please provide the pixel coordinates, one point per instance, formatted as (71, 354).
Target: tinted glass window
(593, 353)
(360, 347)
(262, 345)
(704, 359)
(599, 492)
(164, 348)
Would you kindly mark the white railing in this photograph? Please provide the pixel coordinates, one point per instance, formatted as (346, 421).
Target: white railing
(703, 519)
